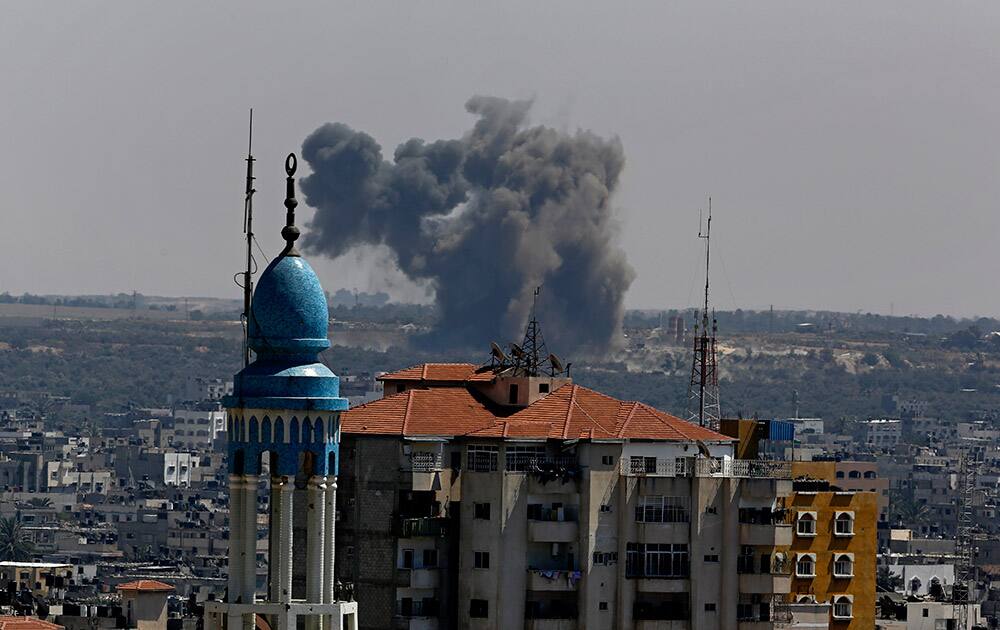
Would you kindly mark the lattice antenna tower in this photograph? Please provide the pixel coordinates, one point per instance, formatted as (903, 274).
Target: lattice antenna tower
(532, 357)
(964, 544)
(704, 408)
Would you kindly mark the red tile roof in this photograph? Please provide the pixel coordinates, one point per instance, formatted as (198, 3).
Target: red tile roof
(8, 622)
(570, 412)
(439, 372)
(147, 586)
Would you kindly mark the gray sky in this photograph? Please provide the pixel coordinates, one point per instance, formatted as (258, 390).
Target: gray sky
(851, 148)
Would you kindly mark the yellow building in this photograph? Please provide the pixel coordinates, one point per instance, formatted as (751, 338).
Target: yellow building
(833, 551)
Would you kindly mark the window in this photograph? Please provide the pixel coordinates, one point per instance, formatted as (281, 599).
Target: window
(481, 511)
(660, 509)
(843, 607)
(479, 608)
(840, 474)
(608, 460)
(844, 524)
(745, 562)
(806, 525)
(605, 558)
(843, 565)
(483, 458)
(430, 558)
(805, 566)
(712, 557)
(602, 605)
(710, 607)
(512, 394)
(656, 560)
(481, 560)
(605, 507)
(407, 558)
(639, 465)
(543, 388)
(854, 474)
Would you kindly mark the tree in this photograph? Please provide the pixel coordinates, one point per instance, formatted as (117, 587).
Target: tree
(886, 580)
(39, 502)
(14, 543)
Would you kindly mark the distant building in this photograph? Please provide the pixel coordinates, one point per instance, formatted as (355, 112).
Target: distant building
(882, 433)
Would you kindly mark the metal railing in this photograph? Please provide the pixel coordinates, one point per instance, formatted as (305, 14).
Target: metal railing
(422, 461)
(415, 527)
(705, 467)
(532, 463)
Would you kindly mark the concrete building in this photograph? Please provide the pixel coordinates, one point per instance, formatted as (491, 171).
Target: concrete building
(491, 499)
(882, 433)
(196, 426)
(145, 604)
(283, 424)
(834, 548)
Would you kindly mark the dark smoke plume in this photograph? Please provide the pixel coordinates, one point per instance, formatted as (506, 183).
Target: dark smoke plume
(485, 219)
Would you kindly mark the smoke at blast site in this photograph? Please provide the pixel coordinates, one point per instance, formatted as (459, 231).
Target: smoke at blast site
(484, 219)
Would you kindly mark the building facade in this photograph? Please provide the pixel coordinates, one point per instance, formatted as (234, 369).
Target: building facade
(468, 503)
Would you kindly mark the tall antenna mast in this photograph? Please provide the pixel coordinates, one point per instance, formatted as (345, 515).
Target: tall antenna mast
(703, 389)
(248, 230)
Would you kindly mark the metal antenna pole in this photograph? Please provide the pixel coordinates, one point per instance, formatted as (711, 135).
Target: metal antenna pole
(704, 384)
(248, 230)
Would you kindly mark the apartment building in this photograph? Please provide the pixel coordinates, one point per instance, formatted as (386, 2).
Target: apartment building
(485, 499)
(834, 547)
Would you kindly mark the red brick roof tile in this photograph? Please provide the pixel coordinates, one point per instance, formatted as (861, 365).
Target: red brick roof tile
(439, 372)
(570, 412)
(9, 622)
(147, 586)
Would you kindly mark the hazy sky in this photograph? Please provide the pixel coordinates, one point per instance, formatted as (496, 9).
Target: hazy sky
(851, 148)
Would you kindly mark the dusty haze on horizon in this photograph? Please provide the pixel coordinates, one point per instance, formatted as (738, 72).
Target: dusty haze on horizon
(851, 149)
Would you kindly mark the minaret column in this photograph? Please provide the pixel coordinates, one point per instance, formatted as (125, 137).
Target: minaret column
(330, 497)
(283, 488)
(315, 545)
(249, 550)
(235, 583)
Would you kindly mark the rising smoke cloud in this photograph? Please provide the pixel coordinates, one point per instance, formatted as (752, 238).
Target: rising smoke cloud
(484, 219)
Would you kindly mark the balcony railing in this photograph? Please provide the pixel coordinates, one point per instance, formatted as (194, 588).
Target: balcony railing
(422, 461)
(538, 463)
(705, 467)
(415, 527)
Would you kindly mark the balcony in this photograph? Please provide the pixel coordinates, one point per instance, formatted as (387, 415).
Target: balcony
(704, 467)
(553, 531)
(423, 470)
(550, 624)
(765, 583)
(423, 577)
(553, 580)
(414, 623)
(777, 535)
(423, 527)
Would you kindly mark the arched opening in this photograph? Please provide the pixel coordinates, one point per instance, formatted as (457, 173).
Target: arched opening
(870, 474)
(279, 430)
(293, 431)
(854, 474)
(253, 430)
(229, 429)
(318, 438)
(239, 463)
(306, 431)
(265, 430)
(331, 469)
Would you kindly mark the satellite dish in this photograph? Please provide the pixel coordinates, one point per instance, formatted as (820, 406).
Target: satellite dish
(497, 353)
(516, 351)
(557, 365)
(703, 449)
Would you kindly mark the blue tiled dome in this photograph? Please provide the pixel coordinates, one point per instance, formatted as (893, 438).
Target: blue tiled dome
(289, 314)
